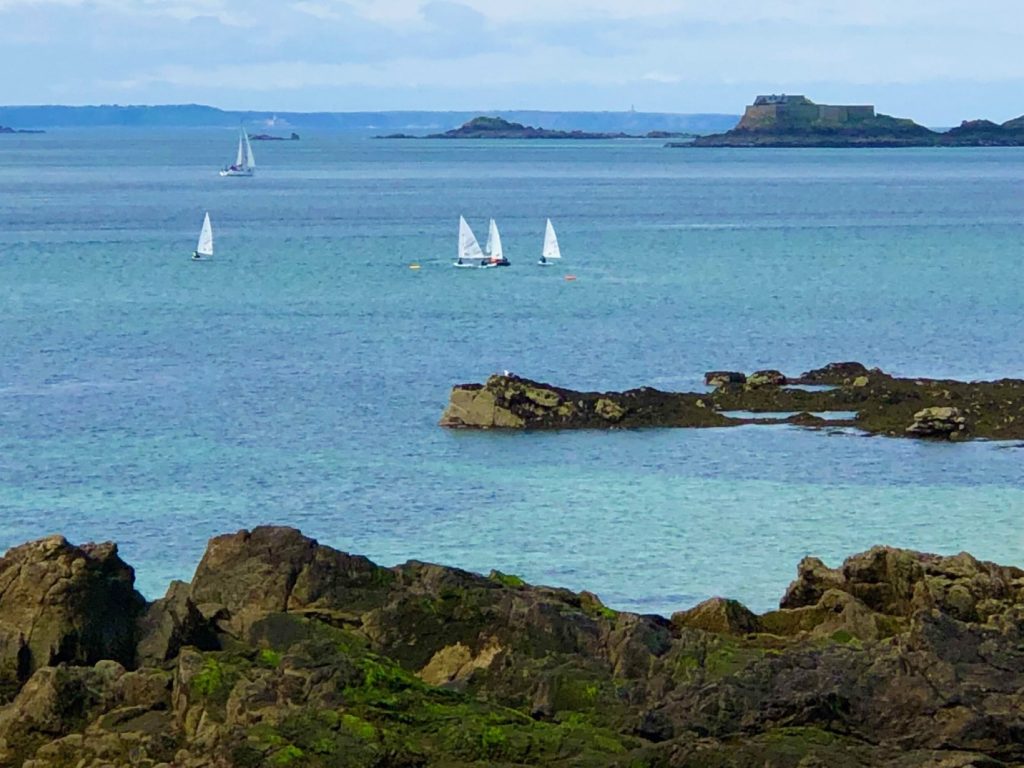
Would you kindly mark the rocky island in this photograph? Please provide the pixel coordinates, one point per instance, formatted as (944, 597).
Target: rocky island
(268, 137)
(498, 128)
(847, 395)
(781, 120)
(284, 652)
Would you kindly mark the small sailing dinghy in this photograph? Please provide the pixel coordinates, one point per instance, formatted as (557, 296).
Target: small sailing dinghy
(204, 249)
(245, 161)
(495, 253)
(471, 255)
(551, 252)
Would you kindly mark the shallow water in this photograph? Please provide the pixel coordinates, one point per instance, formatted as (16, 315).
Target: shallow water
(783, 415)
(299, 377)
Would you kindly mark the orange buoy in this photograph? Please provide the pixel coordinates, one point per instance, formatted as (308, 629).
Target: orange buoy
(570, 278)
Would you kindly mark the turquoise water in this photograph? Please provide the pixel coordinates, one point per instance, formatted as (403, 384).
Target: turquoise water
(299, 377)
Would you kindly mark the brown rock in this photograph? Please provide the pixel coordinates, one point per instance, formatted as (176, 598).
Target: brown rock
(943, 422)
(170, 623)
(65, 604)
(269, 570)
(726, 617)
(898, 582)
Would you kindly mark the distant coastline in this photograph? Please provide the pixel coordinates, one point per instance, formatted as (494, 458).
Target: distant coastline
(781, 121)
(367, 123)
(5, 130)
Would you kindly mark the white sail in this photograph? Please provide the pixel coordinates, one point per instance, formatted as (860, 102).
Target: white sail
(494, 249)
(240, 157)
(469, 247)
(250, 159)
(205, 246)
(551, 249)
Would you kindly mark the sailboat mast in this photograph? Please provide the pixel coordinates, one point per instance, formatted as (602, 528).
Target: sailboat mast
(250, 159)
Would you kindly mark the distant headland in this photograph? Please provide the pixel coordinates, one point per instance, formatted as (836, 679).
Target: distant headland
(484, 127)
(5, 129)
(796, 121)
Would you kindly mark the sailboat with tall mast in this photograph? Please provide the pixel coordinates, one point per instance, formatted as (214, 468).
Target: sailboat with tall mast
(245, 161)
(470, 254)
(551, 252)
(204, 248)
(494, 251)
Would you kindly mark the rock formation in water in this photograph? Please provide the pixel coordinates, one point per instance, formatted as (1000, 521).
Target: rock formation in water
(499, 128)
(781, 120)
(284, 652)
(870, 400)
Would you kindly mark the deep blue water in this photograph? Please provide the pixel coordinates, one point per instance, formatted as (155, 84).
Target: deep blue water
(299, 377)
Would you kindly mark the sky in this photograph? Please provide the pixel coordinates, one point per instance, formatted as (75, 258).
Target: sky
(938, 61)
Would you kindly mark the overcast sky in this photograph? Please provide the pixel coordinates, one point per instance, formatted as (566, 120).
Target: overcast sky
(937, 61)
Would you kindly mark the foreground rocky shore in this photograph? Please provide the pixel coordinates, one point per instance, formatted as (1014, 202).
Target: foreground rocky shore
(838, 395)
(284, 652)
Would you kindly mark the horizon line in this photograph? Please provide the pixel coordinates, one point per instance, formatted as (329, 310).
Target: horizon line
(359, 111)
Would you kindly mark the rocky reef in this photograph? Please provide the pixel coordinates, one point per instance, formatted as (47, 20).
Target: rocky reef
(838, 395)
(285, 652)
(499, 128)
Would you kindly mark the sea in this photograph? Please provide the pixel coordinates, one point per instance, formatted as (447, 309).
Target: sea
(298, 378)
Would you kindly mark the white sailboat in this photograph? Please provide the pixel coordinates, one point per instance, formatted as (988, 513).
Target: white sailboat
(551, 252)
(494, 251)
(245, 161)
(470, 255)
(204, 249)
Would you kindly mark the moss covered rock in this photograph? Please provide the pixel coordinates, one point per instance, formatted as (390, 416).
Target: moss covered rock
(895, 658)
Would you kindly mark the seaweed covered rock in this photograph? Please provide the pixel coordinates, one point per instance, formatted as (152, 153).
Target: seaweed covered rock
(844, 395)
(723, 378)
(512, 402)
(767, 378)
(64, 604)
(286, 652)
(834, 374)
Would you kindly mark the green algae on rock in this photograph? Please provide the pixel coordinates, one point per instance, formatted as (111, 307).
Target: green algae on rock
(846, 394)
(294, 654)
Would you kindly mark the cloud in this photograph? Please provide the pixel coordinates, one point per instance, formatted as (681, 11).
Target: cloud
(303, 51)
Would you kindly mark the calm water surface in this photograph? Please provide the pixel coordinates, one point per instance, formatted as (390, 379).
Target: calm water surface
(299, 377)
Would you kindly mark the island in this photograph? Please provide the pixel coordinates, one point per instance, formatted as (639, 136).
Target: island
(499, 128)
(781, 120)
(268, 137)
(282, 651)
(844, 395)
(5, 130)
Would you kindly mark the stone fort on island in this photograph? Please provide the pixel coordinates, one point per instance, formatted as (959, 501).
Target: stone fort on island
(778, 109)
